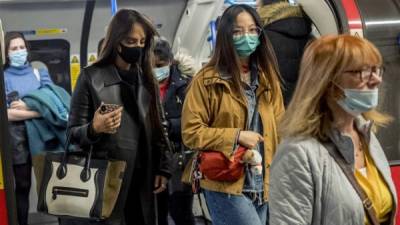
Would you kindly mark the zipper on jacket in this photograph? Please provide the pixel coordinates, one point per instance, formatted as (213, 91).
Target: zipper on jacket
(69, 192)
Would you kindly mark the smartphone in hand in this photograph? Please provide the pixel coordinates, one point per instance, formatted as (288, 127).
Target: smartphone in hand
(12, 96)
(107, 108)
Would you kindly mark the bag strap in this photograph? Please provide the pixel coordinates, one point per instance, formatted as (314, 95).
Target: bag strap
(62, 169)
(348, 171)
(37, 74)
(195, 174)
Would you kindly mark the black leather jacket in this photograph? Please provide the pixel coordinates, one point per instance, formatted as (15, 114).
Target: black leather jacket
(136, 135)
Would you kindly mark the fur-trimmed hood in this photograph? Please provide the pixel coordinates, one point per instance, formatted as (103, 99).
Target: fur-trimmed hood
(186, 64)
(286, 19)
(278, 11)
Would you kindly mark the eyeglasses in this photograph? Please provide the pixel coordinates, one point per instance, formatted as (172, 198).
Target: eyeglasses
(367, 73)
(253, 31)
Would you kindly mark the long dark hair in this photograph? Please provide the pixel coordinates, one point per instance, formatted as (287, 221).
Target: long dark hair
(7, 39)
(119, 28)
(225, 58)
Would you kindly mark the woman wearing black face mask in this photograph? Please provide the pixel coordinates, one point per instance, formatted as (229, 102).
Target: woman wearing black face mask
(133, 132)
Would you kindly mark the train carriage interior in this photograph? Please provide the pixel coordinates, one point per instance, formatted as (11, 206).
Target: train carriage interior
(63, 36)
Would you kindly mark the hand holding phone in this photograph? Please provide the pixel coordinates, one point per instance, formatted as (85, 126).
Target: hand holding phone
(12, 96)
(107, 108)
(107, 118)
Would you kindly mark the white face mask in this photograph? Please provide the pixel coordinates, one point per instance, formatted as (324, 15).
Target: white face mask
(161, 73)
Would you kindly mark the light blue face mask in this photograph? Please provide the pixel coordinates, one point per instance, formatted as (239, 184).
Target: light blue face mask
(161, 73)
(18, 58)
(358, 101)
(245, 44)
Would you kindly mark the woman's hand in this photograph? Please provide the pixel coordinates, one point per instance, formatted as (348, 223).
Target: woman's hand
(20, 105)
(160, 184)
(249, 139)
(107, 123)
(20, 115)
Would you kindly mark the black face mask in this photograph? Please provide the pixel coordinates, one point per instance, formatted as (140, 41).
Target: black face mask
(131, 55)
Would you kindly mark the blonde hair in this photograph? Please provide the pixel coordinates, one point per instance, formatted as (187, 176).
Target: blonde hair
(324, 59)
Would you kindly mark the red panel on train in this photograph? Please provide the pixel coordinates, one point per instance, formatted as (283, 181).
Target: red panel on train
(3, 208)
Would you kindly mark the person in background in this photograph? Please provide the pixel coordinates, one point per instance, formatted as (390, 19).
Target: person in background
(20, 78)
(333, 105)
(289, 30)
(173, 84)
(236, 100)
(134, 132)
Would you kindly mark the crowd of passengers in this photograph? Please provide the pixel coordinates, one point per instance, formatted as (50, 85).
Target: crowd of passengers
(294, 114)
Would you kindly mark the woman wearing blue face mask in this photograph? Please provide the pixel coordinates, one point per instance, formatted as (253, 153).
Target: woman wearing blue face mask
(20, 79)
(330, 168)
(173, 77)
(236, 100)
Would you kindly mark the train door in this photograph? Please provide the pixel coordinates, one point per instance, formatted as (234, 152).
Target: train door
(382, 27)
(7, 201)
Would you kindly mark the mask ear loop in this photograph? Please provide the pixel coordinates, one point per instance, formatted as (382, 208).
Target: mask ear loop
(335, 94)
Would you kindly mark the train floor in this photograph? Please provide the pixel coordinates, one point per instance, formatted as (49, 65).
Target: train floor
(41, 219)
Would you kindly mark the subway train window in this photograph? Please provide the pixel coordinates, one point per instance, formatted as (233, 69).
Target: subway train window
(54, 54)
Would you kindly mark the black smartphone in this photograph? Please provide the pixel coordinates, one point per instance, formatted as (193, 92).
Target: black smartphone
(12, 96)
(107, 108)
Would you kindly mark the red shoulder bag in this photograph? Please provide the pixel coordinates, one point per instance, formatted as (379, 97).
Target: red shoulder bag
(215, 166)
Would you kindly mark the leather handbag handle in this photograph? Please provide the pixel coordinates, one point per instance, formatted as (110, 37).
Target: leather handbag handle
(62, 168)
(348, 171)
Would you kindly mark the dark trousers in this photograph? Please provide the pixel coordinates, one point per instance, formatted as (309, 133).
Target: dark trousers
(180, 207)
(179, 204)
(133, 209)
(22, 174)
(162, 207)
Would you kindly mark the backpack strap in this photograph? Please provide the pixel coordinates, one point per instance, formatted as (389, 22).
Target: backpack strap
(348, 171)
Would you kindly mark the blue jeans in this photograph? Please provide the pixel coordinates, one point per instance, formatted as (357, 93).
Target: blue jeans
(226, 209)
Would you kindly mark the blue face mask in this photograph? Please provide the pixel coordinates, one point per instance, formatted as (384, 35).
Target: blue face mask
(245, 44)
(161, 73)
(18, 58)
(359, 101)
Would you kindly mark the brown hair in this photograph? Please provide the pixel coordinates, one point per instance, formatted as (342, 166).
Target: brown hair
(7, 39)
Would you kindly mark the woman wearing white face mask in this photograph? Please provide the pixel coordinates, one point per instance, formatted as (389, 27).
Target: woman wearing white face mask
(330, 167)
(20, 79)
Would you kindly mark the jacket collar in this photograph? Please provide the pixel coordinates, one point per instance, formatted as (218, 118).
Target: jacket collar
(143, 96)
(111, 76)
(225, 79)
(344, 143)
(176, 77)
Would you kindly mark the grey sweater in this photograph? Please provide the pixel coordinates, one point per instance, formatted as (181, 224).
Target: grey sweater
(307, 187)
